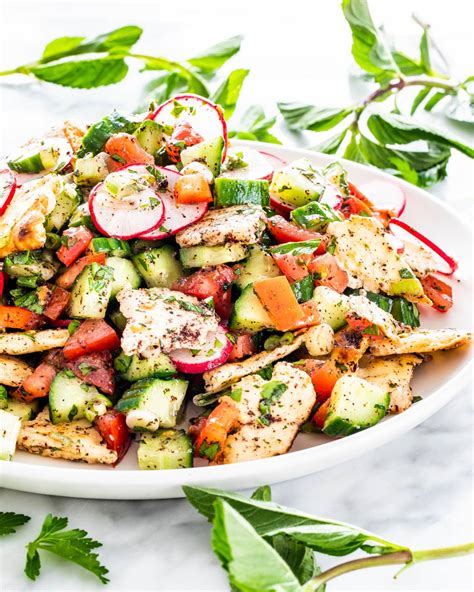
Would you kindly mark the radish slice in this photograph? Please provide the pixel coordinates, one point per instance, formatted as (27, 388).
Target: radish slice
(7, 188)
(405, 232)
(281, 207)
(259, 165)
(396, 242)
(205, 117)
(130, 216)
(213, 354)
(176, 216)
(385, 195)
(332, 196)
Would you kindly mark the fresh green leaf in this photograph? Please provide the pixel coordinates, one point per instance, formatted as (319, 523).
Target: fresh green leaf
(9, 521)
(251, 563)
(298, 557)
(461, 108)
(435, 99)
(332, 144)
(228, 92)
(353, 150)
(255, 125)
(263, 493)
(61, 47)
(406, 64)
(72, 545)
(195, 83)
(216, 56)
(420, 97)
(425, 58)
(83, 73)
(369, 48)
(396, 129)
(299, 116)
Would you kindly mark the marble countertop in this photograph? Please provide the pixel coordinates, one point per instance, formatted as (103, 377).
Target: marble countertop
(416, 490)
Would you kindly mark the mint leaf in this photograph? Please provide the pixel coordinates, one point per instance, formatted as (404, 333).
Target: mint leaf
(162, 88)
(299, 116)
(425, 58)
(369, 48)
(461, 107)
(396, 129)
(72, 545)
(332, 144)
(435, 99)
(228, 92)
(263, 493)
(297, 556)
(195, 83)
(9, 521)
(420, 97)
(251, 563)
(406, 64)
(83, 73)
(216, 56)
(255, 125)
(353, 150)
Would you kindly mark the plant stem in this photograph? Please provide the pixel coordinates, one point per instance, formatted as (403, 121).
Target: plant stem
(397, 558)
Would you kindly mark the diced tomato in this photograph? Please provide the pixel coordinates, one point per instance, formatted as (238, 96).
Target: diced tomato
(358, 324)
(287, 232)
(183, 136)
(191, 189)
(330, 274)
(211, 439)
(319, 417)
(324, 378)
(124, 149)
(57, 303)
(359, 195)
(96, 369)
(293, 266)
(359, 203)
(439, 292)
(93, 335)
(38, 384)
(206, 283)
(196, 428)
(244, 346)
(310, 316)
(113, 428)
(66, 279)
(15, 317)
(279, 301)
(77, 240)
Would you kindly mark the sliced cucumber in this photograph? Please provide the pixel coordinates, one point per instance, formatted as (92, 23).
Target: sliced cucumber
(112, 246)
(66, 203)
(150, 136)
(118, 319)
(81, 217)
(159, 267)
(9, 430)
(133, 368)
(124, 275)
(233, 192)
(209, 256)
(98, 134)
(248, 314)
(24, 410)
(258, 266)
(153, 402)
(50, 154)
(29, 264)
(166, 449)
(70, 398)
(355, 405)
(208, 153)
(298, 183)
(332, 306)
(91, 292)
(91, 170)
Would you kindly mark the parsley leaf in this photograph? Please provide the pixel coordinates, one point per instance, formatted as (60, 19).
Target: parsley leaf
(9, 521)
(72, 545)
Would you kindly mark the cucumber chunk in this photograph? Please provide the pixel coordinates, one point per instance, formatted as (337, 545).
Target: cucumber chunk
(112, 246)
(91, 292)
(355, 405)
(258, 266)
(124, 275)
(133, 368)
(248, 314)
(233, 192)
(24, 410)
(166, 449)
(298, 183)
(66, 203)
(9, 429)
(98, 134)
(202, 256)
(70, 398)
(90, 170)
(29, 264)
(152, 403)
(159, 267)
(50, 154)
(208, 153)
(150, 136)
(332, 306)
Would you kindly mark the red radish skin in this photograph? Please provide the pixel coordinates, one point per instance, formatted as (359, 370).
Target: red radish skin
(395, 225)
(385, 195)
(8, 187)
(210, 125)
(281, 207)
(185, 362)
(261, 165)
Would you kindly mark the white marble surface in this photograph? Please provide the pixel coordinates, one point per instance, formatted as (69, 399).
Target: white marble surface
(418, 489)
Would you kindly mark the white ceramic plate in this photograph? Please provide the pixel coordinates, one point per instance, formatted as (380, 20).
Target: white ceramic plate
(437, 382)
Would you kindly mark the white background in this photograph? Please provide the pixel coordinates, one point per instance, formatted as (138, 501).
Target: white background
(417, 490)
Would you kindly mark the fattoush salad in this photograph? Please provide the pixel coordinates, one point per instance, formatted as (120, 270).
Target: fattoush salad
(206, 300)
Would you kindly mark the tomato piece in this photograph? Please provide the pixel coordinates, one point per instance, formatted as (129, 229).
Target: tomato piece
(183, 136)
(125, 149)
(113, 428)
(359, 195)
(293, 266)
(96, 369)
(38, 384)
(279, 301)
(211, 439)
(66, 279)
(360, 325)
(77, 240)
(57, 303)
(330, 274)
(287, 232)
(310, 315)
(244, 346)
(439, 292)
(191, 189)
(319, 417)
(93, 335)
(15, 317)
(324, 378)
(206, 283)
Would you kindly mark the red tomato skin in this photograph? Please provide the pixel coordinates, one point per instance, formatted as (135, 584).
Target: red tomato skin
(294, 267)
(439, 292)
(324, 378)
(183, 134)
(331, 274)
(92, 336)
(128, 150)
(78, 240)
(57, 303)
(38, 384)
(16, 317)
(243, 347)
(113, 428)
(66, 279)
(287, 232)
(319, 417)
